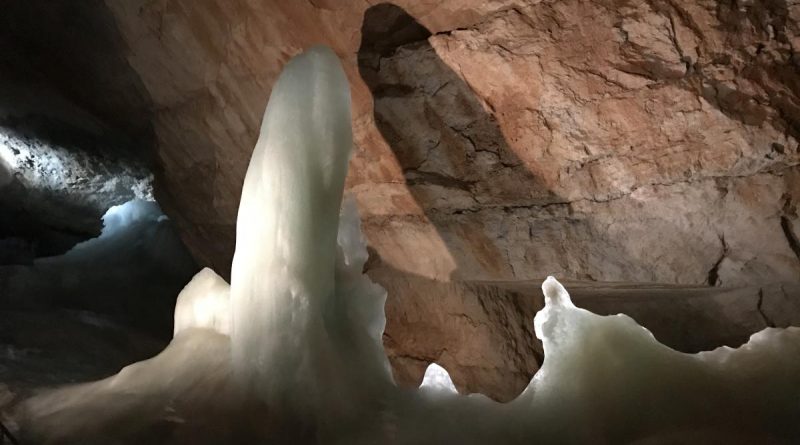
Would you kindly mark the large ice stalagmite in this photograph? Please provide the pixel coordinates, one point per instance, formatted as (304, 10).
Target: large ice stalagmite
(286, 322)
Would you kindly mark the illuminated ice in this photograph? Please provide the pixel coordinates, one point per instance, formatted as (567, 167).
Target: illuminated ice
(607, 376)
(204, 303)
(305, 334)
(436, 378)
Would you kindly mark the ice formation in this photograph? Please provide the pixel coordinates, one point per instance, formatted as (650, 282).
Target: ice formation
(204, 303)
(306, 324)
(300, 340)
(436, 378)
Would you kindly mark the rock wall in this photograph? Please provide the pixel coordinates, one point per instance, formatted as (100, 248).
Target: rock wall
(602, 140)
(60, 177)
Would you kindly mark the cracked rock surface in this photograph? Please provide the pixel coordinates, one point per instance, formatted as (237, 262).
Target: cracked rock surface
(601, 141)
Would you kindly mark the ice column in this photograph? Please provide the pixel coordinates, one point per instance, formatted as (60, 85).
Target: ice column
(284, 266)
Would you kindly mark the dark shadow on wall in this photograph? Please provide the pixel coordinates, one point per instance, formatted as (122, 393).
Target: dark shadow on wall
(454, 156)
(461, 172)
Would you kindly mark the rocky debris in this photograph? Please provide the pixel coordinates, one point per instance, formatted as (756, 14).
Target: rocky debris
(58, 194)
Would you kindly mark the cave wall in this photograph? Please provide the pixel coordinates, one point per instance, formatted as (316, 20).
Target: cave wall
(602, 140)
(74, 126)
(74, 48)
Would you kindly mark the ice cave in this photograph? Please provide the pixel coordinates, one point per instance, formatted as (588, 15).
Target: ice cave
(453, 222)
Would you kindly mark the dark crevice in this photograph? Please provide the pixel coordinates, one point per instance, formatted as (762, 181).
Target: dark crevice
(393, 90)
(416, 177)
(713, 273)
(760, 309)
(387, 27)
(791, 237)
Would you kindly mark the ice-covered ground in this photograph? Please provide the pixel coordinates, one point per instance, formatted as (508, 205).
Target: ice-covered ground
(300, 358)
(130, 272)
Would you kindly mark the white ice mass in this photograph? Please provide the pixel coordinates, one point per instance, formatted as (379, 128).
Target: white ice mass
(304, 363)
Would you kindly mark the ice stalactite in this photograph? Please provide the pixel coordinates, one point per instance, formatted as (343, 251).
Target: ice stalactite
(306, 323)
